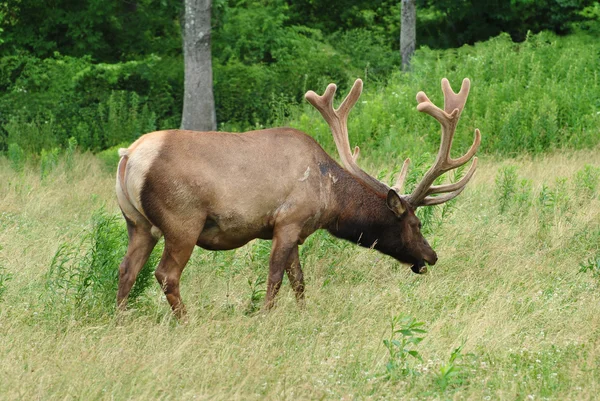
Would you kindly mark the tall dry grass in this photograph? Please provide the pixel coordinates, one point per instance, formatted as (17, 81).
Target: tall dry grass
(507, 284)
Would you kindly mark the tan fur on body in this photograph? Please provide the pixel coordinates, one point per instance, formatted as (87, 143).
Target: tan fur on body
(210, 197)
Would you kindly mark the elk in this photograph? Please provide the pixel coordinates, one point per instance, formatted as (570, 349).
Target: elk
(219, 190)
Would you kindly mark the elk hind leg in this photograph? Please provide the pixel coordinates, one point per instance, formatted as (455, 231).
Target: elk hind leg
(141, 243)
(168, 273)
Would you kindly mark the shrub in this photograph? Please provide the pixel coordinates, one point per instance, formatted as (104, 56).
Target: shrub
(48, 161)
(17, 157)
(586, 182)
(83, 277)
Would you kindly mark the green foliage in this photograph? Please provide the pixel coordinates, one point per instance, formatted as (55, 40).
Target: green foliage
(123, 120)
(48, 161)
(259, 60)
(32, 136)
(110, 157)
(80, 74)
(452, 373)
(404, 336)
(47, 101)
(257, 293)
(83, 277)
(108, 30)
(586, 182)
(368, 52)
(512, 192)
(553, 204)
(591, 265)
(69, 153)
(17, 157)
(518, 100)
(449, 23)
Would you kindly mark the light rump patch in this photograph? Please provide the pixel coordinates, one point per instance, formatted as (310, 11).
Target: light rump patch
(142, 155)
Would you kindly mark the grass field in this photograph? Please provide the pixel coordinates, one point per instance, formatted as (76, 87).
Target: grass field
(507, 287)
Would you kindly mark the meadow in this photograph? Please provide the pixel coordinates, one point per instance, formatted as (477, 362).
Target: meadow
(510, 311)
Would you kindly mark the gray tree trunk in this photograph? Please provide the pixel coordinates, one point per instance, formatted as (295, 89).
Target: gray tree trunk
(408, 32)
(198, 101)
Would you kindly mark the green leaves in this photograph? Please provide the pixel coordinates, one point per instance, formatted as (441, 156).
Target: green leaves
(401, 347)
(83, 277)
(452, 373)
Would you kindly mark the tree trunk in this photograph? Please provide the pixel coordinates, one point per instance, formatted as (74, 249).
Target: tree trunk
(408, 32)
(198, 101)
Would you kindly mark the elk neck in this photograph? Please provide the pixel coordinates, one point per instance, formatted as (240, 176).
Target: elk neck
(360, 213)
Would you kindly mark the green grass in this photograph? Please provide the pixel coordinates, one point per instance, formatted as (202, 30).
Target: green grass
(515, 284)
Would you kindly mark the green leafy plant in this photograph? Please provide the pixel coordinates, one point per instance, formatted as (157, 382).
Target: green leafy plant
(506, 187)
(17, 157)
(451, 373)
(592, 265)
(48, 161)
(257, 293)
(586, 182)
(404, 336)
(69, 152)
(513, 194)
(83, 277)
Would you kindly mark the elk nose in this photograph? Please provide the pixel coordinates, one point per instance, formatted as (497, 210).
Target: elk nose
(431, 259)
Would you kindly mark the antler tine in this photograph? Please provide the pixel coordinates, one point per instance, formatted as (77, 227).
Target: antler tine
(455, 100)
(399, 185)
(448, 118)
(338, 123)
(356, 153)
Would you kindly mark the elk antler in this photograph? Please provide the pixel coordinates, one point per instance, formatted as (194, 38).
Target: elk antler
(453, 104)
(448, 118)
(338, 123)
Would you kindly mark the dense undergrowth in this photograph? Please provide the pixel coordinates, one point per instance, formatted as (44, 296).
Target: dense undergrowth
(531, 97)
(536, 96)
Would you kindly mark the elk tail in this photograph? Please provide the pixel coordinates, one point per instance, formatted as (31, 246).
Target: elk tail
(124, 154)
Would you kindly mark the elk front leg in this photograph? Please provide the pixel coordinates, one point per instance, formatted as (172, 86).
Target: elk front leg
(285, 241)
(294, 273)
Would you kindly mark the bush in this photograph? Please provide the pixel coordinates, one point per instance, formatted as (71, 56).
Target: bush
(83, 277)
(17, 157)
(46, 102)
(533, 97)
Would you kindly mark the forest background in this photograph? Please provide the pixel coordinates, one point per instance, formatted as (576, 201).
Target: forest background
(101, 73)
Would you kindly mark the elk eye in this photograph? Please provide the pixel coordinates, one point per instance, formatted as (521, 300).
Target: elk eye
(420, 226)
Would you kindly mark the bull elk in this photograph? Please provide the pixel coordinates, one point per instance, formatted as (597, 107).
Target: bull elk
(220, 190)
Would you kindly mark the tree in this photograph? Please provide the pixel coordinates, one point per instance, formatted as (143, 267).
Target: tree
(198, 100)
(408, 32)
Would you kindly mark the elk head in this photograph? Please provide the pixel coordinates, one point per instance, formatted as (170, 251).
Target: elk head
(400, 234)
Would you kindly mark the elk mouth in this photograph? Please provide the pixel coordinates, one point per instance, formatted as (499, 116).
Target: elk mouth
(419, 267)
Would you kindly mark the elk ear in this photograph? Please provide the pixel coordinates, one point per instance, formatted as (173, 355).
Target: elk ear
(395, 203)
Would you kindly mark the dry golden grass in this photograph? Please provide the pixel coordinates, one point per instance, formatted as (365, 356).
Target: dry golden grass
(506, 284)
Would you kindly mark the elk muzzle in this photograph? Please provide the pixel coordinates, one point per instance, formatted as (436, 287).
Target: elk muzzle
(429, 257)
